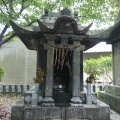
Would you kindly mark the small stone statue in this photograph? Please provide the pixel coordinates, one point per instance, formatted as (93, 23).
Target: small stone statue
(90, 79)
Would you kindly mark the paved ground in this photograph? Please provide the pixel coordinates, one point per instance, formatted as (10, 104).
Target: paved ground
(114, 115)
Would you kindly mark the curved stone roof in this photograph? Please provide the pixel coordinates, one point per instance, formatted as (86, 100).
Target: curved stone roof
(65, 25)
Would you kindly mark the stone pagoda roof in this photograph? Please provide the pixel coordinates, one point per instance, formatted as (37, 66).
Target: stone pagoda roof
(63, 24)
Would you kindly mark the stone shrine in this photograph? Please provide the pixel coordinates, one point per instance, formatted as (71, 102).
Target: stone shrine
(58, 93)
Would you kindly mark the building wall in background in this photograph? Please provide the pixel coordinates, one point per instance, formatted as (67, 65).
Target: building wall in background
(18, 62)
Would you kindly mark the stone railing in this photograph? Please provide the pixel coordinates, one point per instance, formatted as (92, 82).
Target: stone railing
(95, 88)
(9, 89)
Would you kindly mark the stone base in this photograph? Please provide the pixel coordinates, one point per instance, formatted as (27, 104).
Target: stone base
(100, 111)
(48, 102)
(76, 102)
(111, 96)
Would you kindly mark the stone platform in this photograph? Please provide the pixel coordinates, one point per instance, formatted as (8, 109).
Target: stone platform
(100, 111)
(111, 96)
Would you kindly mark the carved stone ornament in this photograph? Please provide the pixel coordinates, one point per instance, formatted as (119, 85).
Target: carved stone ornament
(66, 11)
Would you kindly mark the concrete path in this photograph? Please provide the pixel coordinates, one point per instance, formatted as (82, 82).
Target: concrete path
(114, 115)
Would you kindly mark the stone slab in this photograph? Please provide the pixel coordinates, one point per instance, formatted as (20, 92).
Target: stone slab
(100, 111)
(110, 99)
(17, 112)
(91, 112)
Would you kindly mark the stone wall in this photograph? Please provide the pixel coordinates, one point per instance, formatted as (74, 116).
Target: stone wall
(111, 96)
(18, 62)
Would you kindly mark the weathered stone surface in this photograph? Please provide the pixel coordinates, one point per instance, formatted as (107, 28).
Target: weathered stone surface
(17, 112)
(116, 64)
(111, 96)
(38, 113)
(76, 101)
(113, 89)
(104, 110)
(100, 111)
(48, 100)
(110, 99)
(91, 112)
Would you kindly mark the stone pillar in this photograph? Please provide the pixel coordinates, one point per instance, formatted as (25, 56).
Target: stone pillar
(89, 96)
(39, 87)
(76, 101)
(40, 57)
(81, 71)
(48, 100)
(116, 64)
(41, 63)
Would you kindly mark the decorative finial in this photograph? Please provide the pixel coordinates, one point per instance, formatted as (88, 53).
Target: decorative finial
(66, 11)
(46, 12)
(75, 14)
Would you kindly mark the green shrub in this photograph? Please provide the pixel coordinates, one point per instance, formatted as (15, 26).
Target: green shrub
(1, 73)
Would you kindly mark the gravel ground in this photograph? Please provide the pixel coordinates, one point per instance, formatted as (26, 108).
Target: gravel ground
(114, 115)
(6, 101)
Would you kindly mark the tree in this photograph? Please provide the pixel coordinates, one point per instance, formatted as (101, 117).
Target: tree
(99, 66)
(106, 67)
(25, 12)
(91, 66)
(17, 10)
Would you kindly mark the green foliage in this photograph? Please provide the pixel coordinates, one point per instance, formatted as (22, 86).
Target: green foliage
(19, 10)
(99, 66)
(28, 10)
(105, 63)
(91, 66)
(1, 73)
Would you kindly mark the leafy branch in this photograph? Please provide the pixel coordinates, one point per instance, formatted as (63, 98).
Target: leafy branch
(7, 9)
(1, 73)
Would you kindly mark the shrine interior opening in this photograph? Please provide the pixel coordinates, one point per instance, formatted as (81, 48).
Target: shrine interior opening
(62, 65)
(62, 74)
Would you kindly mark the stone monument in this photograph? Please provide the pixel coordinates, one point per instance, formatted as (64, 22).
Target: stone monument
(59, 42)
